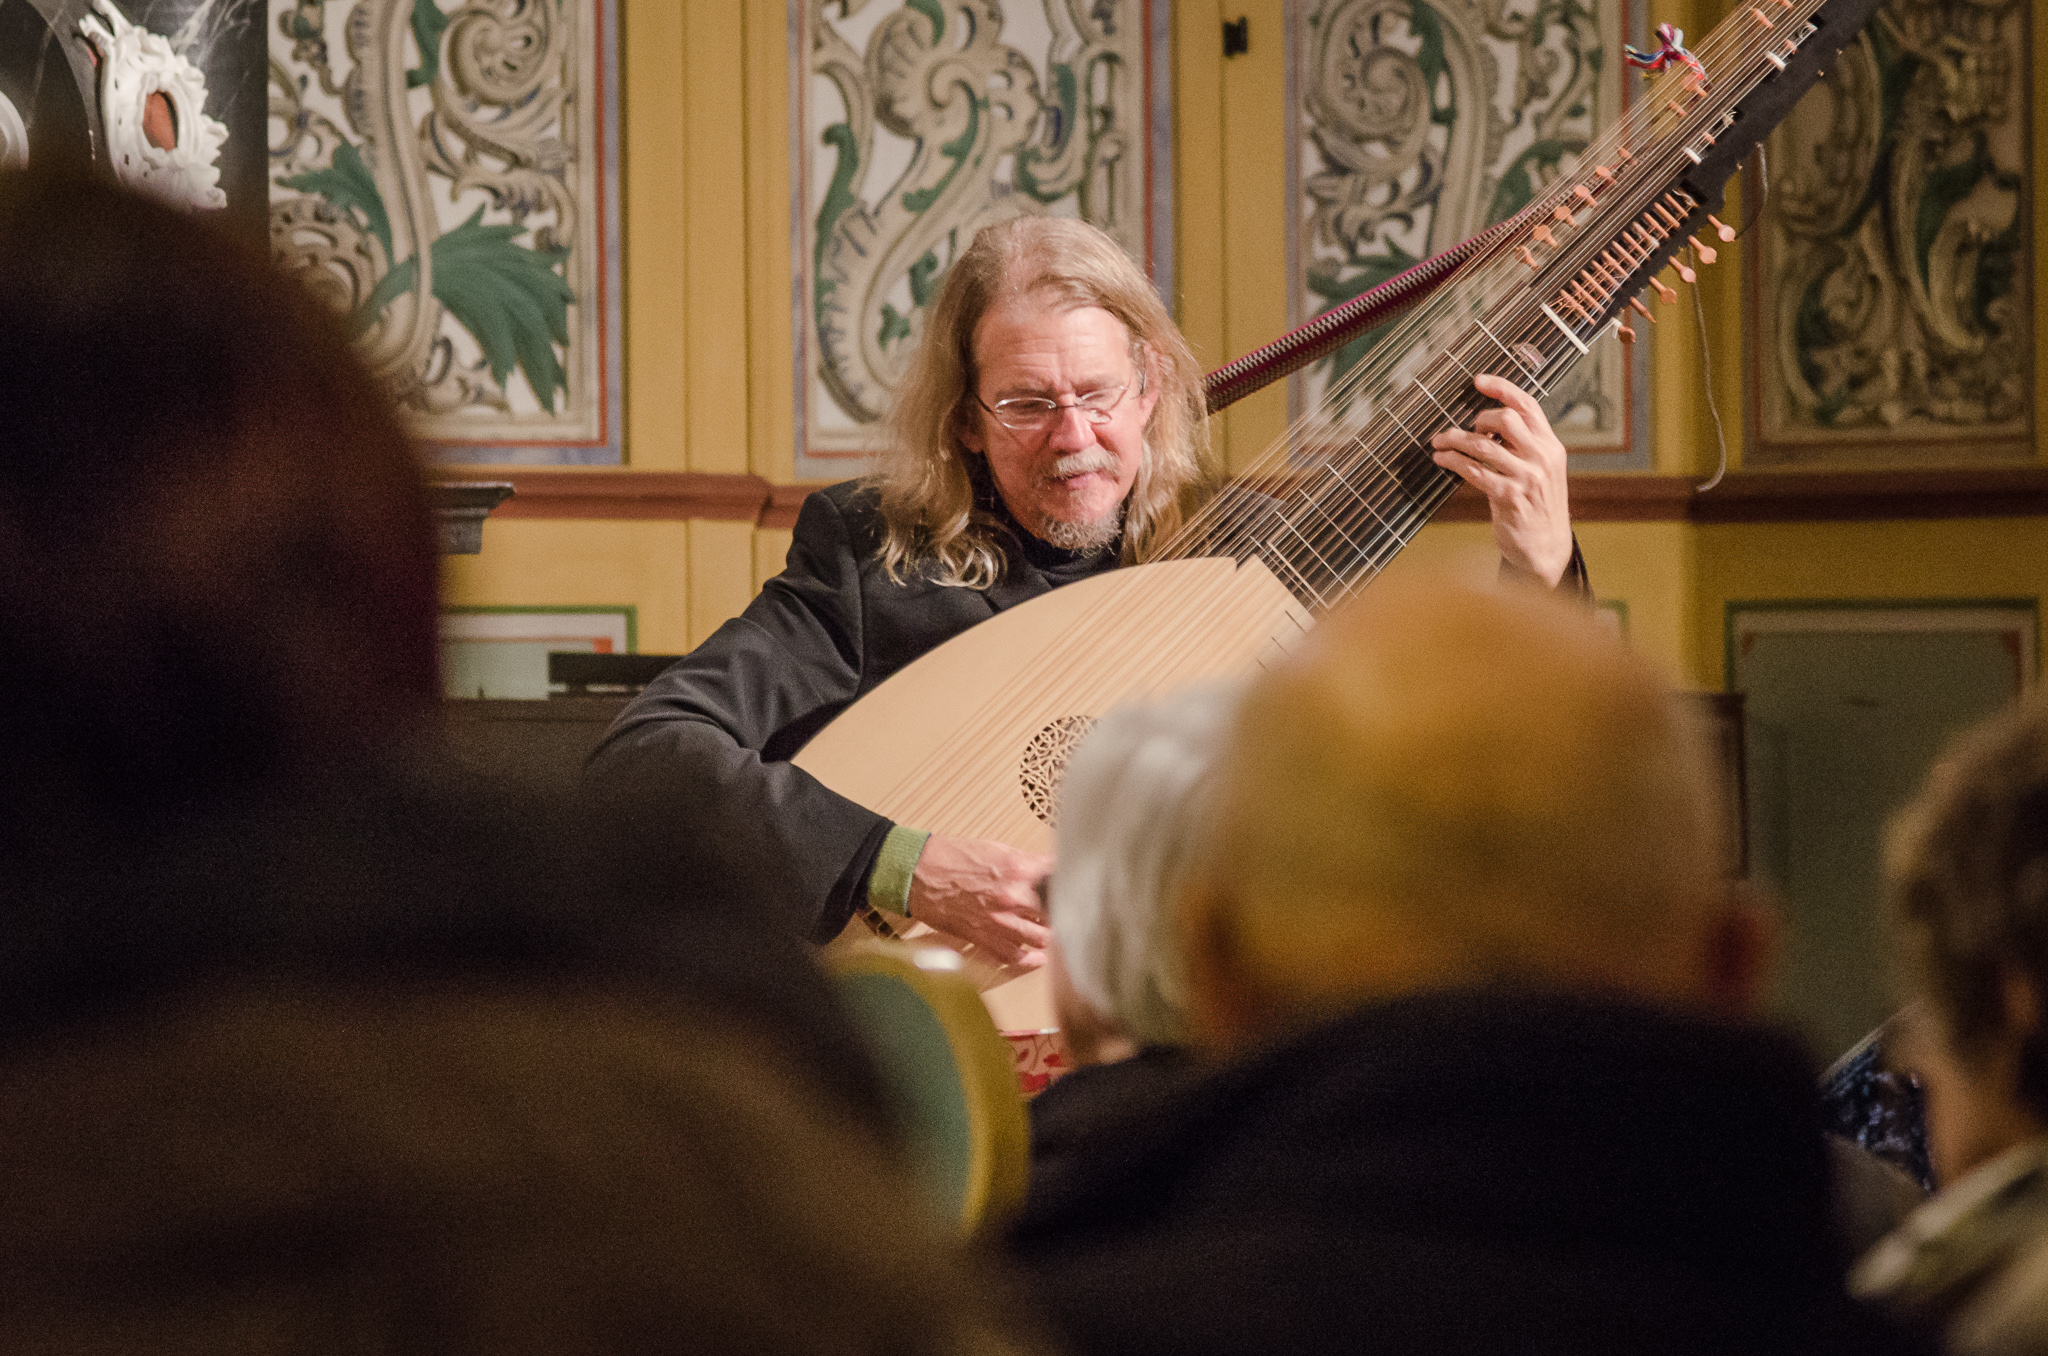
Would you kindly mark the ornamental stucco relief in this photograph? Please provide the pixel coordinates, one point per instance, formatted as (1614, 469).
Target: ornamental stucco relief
(440, 172)
(1890, 305)
(923, 121)
(1418, 123)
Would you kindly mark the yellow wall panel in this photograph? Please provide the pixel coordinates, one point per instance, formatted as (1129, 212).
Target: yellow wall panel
(1255, 282)
(1198, 177)
(721, 574)
(1969, 558)
(655, 281)
(771, 394)
(1649, 568)
(715, 237)
(532, 561)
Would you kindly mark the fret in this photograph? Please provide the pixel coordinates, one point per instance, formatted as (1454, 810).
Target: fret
(1388, 411)
(1309, 502)
(1519, 359)
(1360, 498)
(1565, 330)
(1431, 397)
(1328, 569)
(1279, 559)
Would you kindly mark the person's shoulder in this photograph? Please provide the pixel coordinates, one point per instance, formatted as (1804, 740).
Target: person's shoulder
(850, 507)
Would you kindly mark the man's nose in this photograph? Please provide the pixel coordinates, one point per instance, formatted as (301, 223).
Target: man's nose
(1071, 429)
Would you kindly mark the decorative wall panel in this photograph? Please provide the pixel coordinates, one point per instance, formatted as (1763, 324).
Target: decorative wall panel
(444, 173)
(1891, 304)
(1419, 123)
(921, 121)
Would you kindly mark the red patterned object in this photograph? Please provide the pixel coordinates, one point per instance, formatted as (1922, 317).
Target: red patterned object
(1039, 1057)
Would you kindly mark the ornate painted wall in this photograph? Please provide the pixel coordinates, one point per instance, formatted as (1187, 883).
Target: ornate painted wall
(1891, 305)
(922, 121)
(445, 173)
(1419, 123)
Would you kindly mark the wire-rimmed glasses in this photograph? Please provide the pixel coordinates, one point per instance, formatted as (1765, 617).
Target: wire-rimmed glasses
(1036, 414)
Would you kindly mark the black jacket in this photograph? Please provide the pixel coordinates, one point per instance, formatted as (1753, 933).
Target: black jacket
(705, 746)
(1461, 1172)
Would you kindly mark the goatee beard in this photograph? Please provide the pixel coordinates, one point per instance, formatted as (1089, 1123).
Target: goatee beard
(1084, 536)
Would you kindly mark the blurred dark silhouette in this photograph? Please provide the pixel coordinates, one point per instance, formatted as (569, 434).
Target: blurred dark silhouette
(481, 1171)
(218, 688)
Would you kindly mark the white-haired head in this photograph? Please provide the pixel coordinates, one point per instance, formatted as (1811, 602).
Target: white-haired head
(1132, 805)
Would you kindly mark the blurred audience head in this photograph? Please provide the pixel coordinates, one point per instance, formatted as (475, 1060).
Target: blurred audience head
(1132, 807)
(1967, 862)
(485, 1168)
(217, 559)
(1449, 787)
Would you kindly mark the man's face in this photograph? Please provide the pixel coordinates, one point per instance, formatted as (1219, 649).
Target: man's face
(1064, 483)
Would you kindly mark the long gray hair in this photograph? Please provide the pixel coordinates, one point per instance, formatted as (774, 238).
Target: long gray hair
(926, 487)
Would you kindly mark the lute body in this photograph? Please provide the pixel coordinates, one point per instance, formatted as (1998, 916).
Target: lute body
(971, 738)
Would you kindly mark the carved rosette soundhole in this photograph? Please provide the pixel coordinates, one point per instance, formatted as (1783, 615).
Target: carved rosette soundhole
(1045, 761)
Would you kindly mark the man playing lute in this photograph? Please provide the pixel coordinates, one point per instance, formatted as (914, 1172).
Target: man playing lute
(1051, 426)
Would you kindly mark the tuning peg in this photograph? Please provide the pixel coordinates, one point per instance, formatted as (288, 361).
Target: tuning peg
(1636, 304)
(1543, 233)
(1527, 258)
(1664, 294)
(1705, 252)
(1721, 228)
(1685, 274)
(1628, 336)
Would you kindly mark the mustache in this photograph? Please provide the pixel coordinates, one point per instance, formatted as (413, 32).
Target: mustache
(1081, 463)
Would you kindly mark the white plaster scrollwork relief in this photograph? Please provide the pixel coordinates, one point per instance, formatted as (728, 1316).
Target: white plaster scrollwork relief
(1892, 292)
(444, 189)
(925, 120)
(142, 77)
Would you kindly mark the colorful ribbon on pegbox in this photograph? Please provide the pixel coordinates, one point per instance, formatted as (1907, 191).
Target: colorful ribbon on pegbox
(1670, 48)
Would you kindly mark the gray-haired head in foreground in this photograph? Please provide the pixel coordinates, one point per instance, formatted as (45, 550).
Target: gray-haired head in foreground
(1132, 805)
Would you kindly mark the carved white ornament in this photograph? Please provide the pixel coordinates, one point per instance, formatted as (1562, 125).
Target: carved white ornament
(926, 120)
(13, 136)
(134, 64)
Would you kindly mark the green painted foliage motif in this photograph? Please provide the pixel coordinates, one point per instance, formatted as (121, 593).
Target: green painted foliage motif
(511, 298)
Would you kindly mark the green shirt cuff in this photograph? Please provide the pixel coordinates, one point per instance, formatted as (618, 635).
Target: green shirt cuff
(889, 882)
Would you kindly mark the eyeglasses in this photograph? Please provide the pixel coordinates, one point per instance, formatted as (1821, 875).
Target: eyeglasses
(1035, 414)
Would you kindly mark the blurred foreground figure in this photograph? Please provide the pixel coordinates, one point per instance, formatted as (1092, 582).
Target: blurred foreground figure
(1459, 947)
(1968, 867)
(305, 1046)
(218, 666)
(492, 1171)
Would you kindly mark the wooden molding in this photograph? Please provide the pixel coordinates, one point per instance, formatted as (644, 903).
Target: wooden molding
(1741, 497)
(784, 501)
(1846, 496)
(1794, 497)
(630, 494)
